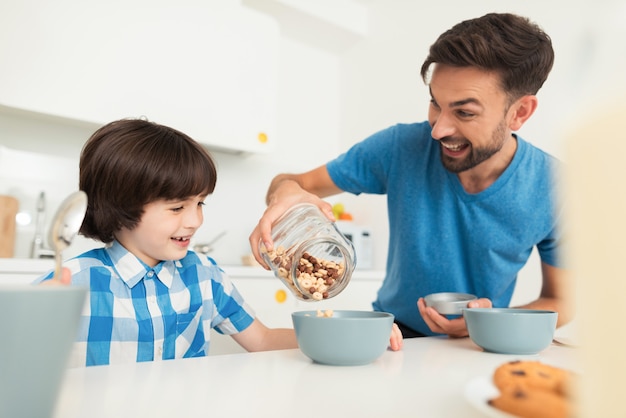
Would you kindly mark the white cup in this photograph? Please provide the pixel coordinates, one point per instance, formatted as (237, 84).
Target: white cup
(38, 325)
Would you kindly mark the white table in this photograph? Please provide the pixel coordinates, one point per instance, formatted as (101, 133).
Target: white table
(428, 378)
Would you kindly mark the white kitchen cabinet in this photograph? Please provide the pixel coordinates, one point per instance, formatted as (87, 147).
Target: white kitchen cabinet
(206, 67)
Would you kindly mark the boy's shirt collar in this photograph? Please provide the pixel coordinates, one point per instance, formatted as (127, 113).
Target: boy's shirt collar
(132, 270)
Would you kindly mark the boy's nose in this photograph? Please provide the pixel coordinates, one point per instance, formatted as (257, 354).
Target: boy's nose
(194, 218)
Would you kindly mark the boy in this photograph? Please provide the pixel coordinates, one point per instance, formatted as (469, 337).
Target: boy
(150, 298)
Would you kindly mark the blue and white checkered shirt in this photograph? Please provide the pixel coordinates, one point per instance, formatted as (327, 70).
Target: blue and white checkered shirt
(137, 313)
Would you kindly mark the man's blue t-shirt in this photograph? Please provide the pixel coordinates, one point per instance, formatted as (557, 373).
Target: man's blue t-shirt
(441, 238)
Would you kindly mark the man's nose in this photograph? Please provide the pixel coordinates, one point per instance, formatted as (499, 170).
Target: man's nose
(442, 127)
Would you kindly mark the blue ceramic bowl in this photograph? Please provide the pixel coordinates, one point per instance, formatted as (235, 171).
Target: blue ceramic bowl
(510, 330)
(348, 338)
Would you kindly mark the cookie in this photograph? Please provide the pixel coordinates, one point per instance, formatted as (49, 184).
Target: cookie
(531, 375)
(532, 403)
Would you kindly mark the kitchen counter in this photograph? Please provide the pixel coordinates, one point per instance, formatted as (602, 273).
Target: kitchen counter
(430, 377)
(251, 271)
(39, 266)
(25, 265)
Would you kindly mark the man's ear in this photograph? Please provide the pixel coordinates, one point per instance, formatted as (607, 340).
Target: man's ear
(521, 110)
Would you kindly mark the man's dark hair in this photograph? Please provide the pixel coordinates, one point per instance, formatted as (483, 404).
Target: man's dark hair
(510, 45)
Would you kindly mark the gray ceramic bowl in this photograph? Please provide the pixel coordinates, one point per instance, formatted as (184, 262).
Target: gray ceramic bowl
(509, 330)
(348, 338)
(449, 303)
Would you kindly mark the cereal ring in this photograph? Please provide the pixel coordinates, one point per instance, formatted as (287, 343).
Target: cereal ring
(315, 276)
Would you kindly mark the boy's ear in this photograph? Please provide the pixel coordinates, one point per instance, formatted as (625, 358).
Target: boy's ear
(521, 110)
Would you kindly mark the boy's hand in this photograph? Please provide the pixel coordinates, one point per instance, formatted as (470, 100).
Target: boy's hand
(396, 340)
(66, 279)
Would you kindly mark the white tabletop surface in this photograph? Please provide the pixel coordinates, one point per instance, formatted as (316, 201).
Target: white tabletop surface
(430, 377)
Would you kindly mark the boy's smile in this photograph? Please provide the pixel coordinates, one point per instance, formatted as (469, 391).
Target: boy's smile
(182, 241)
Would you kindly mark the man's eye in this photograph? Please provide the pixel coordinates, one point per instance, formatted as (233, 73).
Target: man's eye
(464, 114)
(177, 209)
(201, 204)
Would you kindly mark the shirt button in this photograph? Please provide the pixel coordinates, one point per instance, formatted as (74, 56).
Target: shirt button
(150, 273)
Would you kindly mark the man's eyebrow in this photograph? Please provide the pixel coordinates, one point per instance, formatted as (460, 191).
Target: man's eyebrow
(464, 102)
(458, 102)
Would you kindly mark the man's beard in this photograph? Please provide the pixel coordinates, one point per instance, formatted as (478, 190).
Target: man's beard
(477, 155)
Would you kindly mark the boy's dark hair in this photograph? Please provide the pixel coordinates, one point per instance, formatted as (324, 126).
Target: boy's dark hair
(512, 46)
(129, 163)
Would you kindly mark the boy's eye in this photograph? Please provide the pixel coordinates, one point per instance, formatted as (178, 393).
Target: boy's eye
(177, 209)
(201, 204)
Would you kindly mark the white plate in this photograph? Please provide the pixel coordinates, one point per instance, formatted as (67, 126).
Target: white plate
(478, 391)
(567, 341)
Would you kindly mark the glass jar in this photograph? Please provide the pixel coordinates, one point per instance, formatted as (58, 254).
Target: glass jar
(310, 255)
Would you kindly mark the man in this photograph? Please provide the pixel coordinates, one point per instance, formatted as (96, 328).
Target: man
(468, 199)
